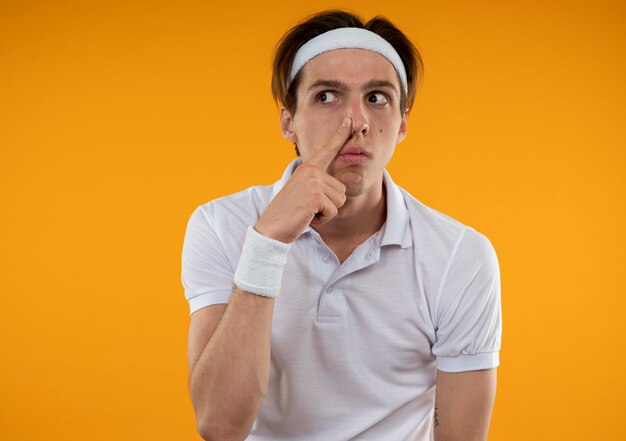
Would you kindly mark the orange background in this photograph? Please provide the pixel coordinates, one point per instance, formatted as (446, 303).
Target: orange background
(118, 118)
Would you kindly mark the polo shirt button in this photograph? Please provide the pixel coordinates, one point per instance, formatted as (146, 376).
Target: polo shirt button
(329, 290)
(326, 259)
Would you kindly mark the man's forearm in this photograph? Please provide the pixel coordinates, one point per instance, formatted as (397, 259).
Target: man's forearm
(230, 379)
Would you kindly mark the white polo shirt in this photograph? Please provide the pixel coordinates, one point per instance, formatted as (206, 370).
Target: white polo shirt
(356, 346)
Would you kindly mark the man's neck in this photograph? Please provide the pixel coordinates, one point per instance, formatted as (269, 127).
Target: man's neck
(358, 219)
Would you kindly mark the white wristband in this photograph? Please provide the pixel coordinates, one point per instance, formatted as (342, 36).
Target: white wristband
(260, 267)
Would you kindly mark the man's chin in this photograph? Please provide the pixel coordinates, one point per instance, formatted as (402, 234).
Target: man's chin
(354, 187)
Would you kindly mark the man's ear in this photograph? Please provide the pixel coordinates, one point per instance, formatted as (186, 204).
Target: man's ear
(403, 127)
(287, 127)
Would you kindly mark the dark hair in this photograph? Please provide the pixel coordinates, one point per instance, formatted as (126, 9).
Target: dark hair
(327, 21)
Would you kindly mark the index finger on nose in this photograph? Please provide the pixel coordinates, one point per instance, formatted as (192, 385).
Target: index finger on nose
(322, 158)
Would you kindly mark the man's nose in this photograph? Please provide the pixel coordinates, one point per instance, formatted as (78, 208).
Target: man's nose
(360, 122)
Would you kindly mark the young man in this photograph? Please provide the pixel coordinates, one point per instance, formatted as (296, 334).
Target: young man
(333, 305)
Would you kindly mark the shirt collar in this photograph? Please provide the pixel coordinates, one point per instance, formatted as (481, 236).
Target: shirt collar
(278, 186)
(395, 231)
(397, 228)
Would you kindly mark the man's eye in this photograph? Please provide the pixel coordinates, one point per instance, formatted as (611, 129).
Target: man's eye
(378, 98)
(326, 97)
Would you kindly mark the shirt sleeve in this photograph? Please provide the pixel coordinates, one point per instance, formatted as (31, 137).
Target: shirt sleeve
(207, 274)
(469, 313)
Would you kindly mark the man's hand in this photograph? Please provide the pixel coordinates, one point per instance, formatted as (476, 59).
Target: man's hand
(311, 196)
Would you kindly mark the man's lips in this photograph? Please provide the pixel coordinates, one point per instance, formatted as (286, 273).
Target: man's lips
(353, 155)
(354, 151)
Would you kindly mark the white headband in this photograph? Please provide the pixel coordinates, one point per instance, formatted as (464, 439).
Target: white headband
(347, 38)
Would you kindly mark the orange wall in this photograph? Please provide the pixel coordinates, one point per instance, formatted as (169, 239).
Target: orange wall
(118, 118)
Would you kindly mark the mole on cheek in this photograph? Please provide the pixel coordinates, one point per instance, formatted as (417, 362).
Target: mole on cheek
(380, 131)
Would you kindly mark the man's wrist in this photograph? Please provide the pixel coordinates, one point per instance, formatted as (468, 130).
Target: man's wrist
(274, 235)
(261, 265)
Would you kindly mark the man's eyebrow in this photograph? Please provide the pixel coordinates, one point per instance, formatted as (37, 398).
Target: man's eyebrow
(333, 84)
(376, 84)
(340, 85)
